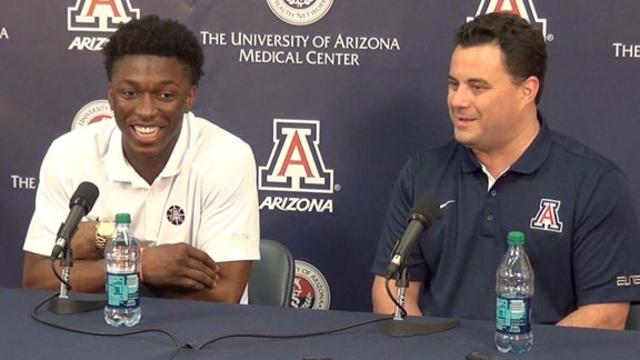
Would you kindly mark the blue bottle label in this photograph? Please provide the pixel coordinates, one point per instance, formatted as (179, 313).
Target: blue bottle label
(513, 316)
(122, 290)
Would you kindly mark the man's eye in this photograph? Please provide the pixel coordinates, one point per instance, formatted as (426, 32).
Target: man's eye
(128, 93)
(166, 95)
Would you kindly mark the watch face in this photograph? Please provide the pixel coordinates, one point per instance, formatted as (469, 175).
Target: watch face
(106, 229)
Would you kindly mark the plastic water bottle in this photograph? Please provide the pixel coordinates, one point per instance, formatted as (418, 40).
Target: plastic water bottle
(122, 258)
(514, 290)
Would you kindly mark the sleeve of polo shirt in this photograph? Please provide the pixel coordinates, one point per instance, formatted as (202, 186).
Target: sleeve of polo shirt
(606, 244)
(230, 228)
(395, 223)
(52, 204)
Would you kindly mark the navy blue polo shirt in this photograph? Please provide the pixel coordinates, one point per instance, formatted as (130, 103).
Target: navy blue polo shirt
(572, 204)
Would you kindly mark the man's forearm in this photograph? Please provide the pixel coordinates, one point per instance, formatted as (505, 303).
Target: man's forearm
(227, 288)
(216, 295)
(611, 316)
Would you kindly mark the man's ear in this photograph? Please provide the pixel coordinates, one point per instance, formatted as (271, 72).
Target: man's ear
(191, 98)
(110, 95)
(529, 89)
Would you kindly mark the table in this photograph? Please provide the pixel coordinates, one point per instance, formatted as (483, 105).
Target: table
(195, 322)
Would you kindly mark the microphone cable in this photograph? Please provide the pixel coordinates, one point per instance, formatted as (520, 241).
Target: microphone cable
(293, 336)
(55, 272)
(36, 317)
(178, 345)
(403, 311)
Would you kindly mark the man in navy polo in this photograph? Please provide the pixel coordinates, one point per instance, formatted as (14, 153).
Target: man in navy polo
(507, 170)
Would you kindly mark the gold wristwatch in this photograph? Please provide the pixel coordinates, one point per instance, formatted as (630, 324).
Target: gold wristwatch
(104, 230)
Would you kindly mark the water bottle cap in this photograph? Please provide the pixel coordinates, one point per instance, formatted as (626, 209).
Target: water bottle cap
(515, 238)
(123, 218)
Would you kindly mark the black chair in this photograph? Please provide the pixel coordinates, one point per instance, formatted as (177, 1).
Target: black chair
(271, 279)
(633, 321)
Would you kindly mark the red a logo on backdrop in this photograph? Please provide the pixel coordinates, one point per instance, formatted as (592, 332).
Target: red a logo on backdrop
(295, 163)
(100, 15)
(523, 8)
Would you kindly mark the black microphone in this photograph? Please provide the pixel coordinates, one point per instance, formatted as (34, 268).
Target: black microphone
(423, 214)
(80, 204)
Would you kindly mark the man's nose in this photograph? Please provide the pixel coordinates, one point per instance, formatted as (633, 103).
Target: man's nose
(146, 107)
(459, 97)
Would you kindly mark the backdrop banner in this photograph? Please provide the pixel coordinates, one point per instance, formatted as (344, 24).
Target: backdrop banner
(332, 95)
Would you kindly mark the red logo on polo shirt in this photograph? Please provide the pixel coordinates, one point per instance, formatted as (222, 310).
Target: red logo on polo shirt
(547, 217)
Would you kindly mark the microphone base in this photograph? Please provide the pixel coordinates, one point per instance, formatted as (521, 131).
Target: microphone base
(404, 328)
(63, 306)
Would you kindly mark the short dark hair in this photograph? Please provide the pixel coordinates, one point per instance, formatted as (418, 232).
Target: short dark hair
(522, 44)
(151, 35)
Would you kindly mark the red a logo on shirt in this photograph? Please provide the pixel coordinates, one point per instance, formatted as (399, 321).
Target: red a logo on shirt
(547, 217)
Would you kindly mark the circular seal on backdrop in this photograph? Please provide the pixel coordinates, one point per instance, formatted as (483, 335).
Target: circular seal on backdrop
(300, 12)
(93, 112)
(175, 215)
(310, 288)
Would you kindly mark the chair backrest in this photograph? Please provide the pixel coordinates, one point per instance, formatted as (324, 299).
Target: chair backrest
(633, 321)
(271, 279)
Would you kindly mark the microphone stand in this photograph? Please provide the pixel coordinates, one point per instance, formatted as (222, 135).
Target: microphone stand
(398, 326)
(66, 261)
(402, 283)
(62, 304)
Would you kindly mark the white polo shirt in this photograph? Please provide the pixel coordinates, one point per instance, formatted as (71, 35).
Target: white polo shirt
(206, 195)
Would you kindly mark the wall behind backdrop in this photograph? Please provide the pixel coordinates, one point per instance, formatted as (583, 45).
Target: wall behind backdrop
(332, 95)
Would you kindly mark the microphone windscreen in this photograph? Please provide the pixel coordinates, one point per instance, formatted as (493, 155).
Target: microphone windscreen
(426, 209)
(85, 196)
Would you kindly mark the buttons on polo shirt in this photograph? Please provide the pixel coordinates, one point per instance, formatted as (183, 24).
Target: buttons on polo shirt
(490, 217)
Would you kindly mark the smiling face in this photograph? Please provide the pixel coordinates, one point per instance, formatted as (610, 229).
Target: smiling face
(149, 95)
(488, 109)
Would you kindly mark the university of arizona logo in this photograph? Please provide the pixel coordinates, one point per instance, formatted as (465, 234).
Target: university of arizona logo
(300, 12)
(100, 15)
(92, 113)
(310, 288)
(295, 163)
(523, 8)
(547, 217)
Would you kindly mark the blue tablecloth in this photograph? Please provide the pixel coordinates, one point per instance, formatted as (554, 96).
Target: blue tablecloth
(195, 322)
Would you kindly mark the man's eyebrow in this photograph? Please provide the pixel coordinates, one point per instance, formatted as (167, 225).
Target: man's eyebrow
(134, 82)
(168, 82)
(474, 81)
(477, 81)
(127, 81)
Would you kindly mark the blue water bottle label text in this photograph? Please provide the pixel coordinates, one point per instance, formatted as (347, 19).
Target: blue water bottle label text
(122, 290)
(513, 316)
